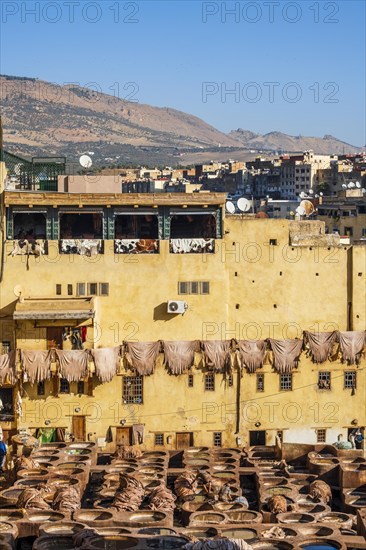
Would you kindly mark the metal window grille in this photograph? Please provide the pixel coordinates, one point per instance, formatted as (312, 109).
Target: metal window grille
(64, 386)
(182, 288)
(190, 380)
(80, 289)
(205, 287)
(5, 346)
(350, 379)
(324, 380)
(69, 290)
(58, 290)
(260, 382)
(217, 439)
(210, 382)
(159, 439)
(81, 388)
(286, 382)
(321, 434)
(132, 389)
(103, 289)
(193, 287)
(40, 388)
(92, 289)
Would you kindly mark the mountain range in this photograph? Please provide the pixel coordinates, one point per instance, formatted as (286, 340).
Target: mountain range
(43, 119)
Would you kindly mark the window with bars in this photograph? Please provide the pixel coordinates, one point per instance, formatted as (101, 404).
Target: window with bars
(103, 289)
(80, 289)
(5, 346)
(350, 379)
(324, 380)
(321, 435)
(41, 388)
(190, 380)
(64, 386)
(194, 287)
(217, 439)
(260, 381)
(132, 389)
(81, 387)
(210, 382)
(159, 439)
(58, 290)
(92, 289)
(70, 290)
(285, 382)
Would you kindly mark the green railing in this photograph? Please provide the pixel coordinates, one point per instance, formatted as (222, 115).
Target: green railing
(39, 174)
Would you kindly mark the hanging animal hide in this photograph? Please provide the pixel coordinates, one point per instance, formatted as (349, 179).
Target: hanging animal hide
(7, 368)
(37, 365)
(216, 354)
(179, 356)
(142, 356)
(137, 434)
(320, 345)
(351, 344)
(106, 361)
(286, 354)
(251, 354)
(73, 364)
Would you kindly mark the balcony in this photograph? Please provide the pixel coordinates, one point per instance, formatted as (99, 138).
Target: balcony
(192, 246)
(136, 246)
(83, 247)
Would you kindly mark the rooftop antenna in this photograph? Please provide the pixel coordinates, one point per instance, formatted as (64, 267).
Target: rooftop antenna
(243, 205)
(230, 207)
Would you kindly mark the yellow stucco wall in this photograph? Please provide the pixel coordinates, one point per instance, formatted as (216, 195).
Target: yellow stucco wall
(256, 291)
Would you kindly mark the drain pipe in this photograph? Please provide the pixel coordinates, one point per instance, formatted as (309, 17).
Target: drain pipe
(238, 379)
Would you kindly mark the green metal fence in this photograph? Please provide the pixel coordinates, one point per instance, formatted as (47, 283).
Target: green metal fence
(40, 173)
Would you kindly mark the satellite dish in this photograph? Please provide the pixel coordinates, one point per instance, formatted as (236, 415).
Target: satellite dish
(85, 161)
(243, 205)
(311, 191)
(230, 207)
(301, 210)
(308, 207)
(351, 185)
(344, 186)
(302, 195)
(358, 185)
(321, 194)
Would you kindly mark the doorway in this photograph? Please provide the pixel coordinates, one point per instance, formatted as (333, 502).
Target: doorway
(124, 436)
(79, 428)
(257, 437)
(184, 440)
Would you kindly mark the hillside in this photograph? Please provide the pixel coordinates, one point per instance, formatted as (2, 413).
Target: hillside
(41, 118)
(277, 141)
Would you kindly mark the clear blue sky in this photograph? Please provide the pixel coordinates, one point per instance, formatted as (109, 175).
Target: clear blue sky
(304, 61)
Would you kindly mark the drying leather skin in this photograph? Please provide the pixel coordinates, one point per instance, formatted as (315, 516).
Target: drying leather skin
(142, 356)
(251, 354)
(286, 354)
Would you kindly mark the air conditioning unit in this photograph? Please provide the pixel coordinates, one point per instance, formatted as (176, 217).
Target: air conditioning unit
(177, 306)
